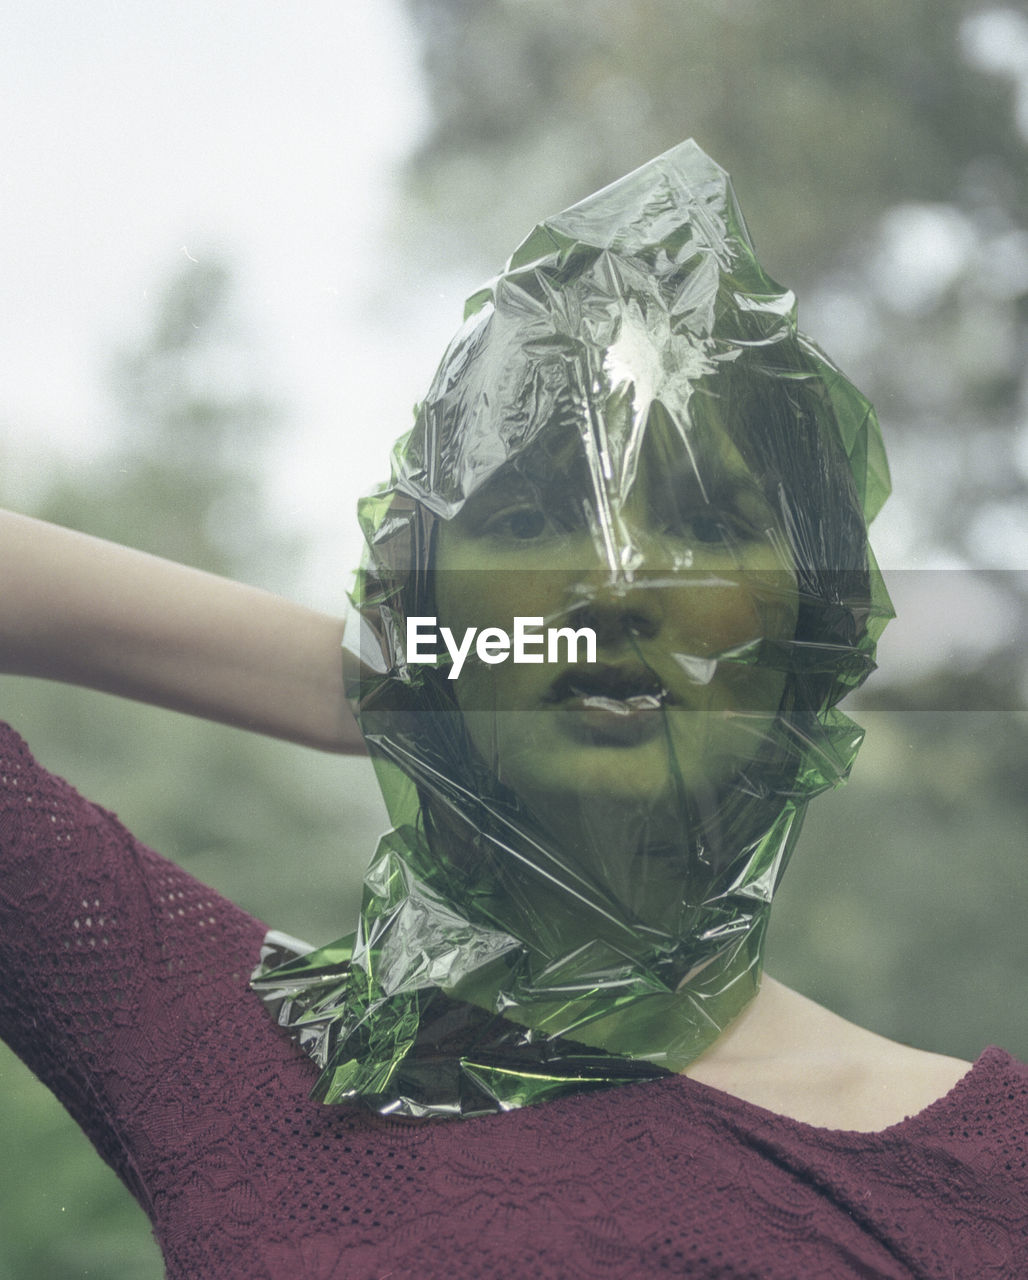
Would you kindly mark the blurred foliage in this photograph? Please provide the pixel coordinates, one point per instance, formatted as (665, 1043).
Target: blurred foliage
(904, 909)
(184, 471)
(879, 155)
(824, 119)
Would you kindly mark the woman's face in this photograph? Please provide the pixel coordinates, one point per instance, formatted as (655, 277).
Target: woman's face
(675, 559)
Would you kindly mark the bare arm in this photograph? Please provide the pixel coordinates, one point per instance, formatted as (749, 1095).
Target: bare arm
(88, 612)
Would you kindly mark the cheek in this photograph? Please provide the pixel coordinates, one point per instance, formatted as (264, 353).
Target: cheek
(713, 619)
(733, 609)
(471, 592)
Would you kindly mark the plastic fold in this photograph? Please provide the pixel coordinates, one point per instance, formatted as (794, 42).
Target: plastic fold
(628, 439)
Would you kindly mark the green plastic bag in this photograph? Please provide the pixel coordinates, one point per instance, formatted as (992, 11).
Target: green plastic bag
(637, 501)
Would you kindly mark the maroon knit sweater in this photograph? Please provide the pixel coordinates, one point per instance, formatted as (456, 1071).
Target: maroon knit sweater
(124, 987)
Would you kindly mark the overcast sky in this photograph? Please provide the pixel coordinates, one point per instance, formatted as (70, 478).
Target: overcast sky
(272, 131)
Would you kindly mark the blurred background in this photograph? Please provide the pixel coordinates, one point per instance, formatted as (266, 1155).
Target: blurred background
(236, 241)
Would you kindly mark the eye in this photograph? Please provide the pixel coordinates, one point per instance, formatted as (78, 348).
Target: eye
(728, 517)
(518, 524)
(709, 528)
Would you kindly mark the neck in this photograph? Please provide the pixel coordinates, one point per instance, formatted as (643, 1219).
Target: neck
(636, 954)
(669, 1028)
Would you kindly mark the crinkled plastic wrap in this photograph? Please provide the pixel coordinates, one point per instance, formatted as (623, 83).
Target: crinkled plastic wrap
(627, 438)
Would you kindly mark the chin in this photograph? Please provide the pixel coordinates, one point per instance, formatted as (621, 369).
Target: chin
(640, 776)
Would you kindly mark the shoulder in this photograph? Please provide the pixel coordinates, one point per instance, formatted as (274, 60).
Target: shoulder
(41, 814)
(792, 1056)
(84, 905)
(69, 868)
(996, 1091)
(18, 767)
(24, 781)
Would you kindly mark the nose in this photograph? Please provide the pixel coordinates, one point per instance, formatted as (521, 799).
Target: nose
(619, 610)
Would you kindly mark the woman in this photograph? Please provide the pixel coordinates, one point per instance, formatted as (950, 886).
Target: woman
(627, 442)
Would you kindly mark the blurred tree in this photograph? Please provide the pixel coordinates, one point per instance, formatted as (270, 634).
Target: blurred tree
(183, 478)
(880, 155)
(826, 120)
(191, 424)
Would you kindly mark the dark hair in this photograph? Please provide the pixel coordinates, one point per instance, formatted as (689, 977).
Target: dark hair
(780, 416)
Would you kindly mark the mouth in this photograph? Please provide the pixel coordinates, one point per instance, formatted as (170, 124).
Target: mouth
(629, 684)
(604, 705)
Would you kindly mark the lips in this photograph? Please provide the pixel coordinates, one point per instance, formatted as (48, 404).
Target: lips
(609, 706)
(631, 684)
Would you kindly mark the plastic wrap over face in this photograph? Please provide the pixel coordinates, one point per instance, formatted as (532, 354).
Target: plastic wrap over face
(628, 441)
